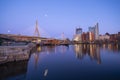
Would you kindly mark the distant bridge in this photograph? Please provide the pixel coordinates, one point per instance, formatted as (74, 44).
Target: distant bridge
(20, 38)
(36, 38)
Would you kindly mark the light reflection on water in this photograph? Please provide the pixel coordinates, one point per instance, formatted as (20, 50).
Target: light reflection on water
(93, 51)
(74, 62)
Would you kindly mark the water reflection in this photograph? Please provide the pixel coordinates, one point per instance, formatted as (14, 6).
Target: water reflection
(111, 47)
(36, 55)
(14, 69)
(54, 49)
(60, 63)
(48, 49)
(63, 49)
(92, 50)
(46, 72)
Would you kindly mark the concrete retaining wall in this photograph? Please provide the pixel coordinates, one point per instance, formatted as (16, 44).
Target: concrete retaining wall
(15, 53)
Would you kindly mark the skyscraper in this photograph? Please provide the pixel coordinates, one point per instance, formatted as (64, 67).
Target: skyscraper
(92, 29)
(78, 30)
(78, 35)
(95, 31)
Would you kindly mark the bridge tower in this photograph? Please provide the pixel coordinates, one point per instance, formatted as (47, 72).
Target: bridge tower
(36, 33)
(63, 36)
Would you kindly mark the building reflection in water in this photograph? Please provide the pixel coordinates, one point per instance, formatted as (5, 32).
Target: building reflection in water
(111, 47)
(92, 50)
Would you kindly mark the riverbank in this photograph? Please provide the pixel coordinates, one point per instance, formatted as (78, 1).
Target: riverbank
(15, 53)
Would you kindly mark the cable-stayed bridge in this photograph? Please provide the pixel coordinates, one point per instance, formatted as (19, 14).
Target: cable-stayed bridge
(36, 38)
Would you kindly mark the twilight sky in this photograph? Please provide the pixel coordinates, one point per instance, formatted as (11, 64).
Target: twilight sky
(58, 16)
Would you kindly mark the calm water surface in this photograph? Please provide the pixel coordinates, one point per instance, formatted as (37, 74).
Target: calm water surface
(74, 62)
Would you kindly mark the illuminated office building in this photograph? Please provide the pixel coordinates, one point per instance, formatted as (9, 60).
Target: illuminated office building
(95, 30)
(78, 35)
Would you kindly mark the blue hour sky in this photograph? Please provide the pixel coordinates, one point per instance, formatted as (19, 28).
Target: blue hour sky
(58, 16)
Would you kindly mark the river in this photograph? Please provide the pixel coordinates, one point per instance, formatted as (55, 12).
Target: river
(73, 62)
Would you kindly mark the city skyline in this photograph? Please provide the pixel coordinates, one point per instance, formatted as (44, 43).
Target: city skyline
(56, 17)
